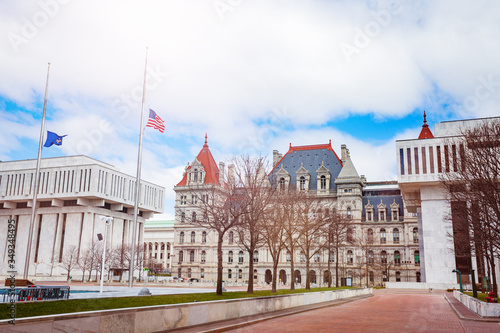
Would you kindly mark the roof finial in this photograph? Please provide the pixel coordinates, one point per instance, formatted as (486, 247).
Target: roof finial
(425, 118)
(206, 137)
(330, 141)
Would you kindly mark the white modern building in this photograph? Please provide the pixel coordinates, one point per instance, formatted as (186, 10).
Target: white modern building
(73, 192)
(158, 245)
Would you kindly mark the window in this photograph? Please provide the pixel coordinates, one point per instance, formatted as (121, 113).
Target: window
(372, 276)
(195, 175)
(424, 161)
(415, 235)
(382, 236)
(203, 256)
(418, 277)
(350, 258)
(179, 271)
(229, 274)
(240, 257)
(288, 257)
(417, 257)
(395, 215)
(350, 237)
(231, 237)
(181, 237)
(205, 217)
(415, 150)
(438, 157)
(204, 237)
(302, 183)
(193, 237)
(323, 182)
(349, 213)
(240, 274)
(181, 256)
(317, 257)
(384, 276)
(398, 276)
(383, 257)
(255, 275)
(431, 159)
(255, 256)
(370, 257)
(193, 217)
(382, 215)
(230, 257)
(370, 235)
(202, 273)
(332, 256)
(194, 199)
(189, 272)
(395, 235)
(397, 258)
(369, 216)
(183, 217)
(191, 256)
(408, 155)
(282, 184)
(302, 257)
(402, 161)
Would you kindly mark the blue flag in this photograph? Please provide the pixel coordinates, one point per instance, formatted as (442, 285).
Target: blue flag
(53, 139)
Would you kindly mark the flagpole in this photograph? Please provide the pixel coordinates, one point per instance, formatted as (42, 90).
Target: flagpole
(35, 186)
(138, 181)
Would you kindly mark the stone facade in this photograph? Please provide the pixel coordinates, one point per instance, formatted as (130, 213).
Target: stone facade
(74, 192)
(376, 210)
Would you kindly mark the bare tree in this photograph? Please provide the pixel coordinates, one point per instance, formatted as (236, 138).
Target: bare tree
(336, 228)
(472, 178)
(289, 203)
(70, 259)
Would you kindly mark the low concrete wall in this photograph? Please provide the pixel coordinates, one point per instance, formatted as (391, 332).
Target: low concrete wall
(481, 308)
(420, 285)
(166, 317)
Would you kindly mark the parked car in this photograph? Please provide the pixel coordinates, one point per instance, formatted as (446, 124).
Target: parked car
(194, 280)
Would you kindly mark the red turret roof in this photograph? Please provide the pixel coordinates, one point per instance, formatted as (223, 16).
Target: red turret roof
(207, 160)
(426, 132)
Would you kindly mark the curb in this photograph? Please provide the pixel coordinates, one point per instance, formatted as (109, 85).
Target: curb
(279, 315)
(486, 320)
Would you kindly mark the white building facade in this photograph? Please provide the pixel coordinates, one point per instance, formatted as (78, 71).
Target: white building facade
(73, 192)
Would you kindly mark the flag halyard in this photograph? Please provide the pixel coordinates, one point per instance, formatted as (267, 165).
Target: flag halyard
(155, 121)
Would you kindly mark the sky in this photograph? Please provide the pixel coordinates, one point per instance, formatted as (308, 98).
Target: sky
(254, 75)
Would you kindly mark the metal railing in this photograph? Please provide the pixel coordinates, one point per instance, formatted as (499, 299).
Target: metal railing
(35, 293)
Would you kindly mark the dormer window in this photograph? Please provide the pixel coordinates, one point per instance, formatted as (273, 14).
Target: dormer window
(395, 211)
(195, 175)
(323, 182)
(382, 209)
(282, 184)
(303, 178)
(323, 178)
(302, 183)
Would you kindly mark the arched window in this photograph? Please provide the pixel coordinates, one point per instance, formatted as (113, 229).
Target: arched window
(395, 235)
(230, 257)
(231, 237)
(255, 275)
(193, 217)
(317, 257)
(417, 257)
(302, 256)
(179, 272)
(370, 257)
(181, 256)
(350, 258)
(397, 258)
(193, 236)
(229, 274)
(282, 184)
(349, 213)
(288, 257)
(255, 256)
(372, 276)
(302, 183)
(204, 237)
(240, 274)
(398, 276)
(203, 256)
(191, 256)
(240, 257)
(370, 235)
(418, 277)
(205, 217)
(202, 273)
(415, 235)
(382, 236)
(183, 217)
(332, 256)
(383, 257)
(195, 175)
(189, 272)
(181, 237)
(323, 182)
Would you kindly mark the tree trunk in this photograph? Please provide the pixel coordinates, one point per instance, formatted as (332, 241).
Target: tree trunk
(337, 268)
(219, 265)
(250, 271)
(308, 281)
(275, 276)
(329, 269)
(292, 267)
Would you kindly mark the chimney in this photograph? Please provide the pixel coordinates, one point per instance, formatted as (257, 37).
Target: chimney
(343, 152)
(276, 157)
(221, 172)
(230, 174)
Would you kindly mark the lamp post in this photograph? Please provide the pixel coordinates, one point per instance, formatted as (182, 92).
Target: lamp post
(459, 279)
(107, 221)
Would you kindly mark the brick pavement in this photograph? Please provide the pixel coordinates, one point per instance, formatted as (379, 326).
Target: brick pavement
(385, 312)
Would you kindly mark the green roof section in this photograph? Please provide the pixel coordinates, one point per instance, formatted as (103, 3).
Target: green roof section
(159, 224)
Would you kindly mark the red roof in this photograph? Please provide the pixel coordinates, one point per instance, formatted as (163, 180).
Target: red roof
(425, 133)
(327, 146)
(207, 160)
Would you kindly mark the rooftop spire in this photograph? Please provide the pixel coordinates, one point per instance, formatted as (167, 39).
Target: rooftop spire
(425, 133)
(206, 137)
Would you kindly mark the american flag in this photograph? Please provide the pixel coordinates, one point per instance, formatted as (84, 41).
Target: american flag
(155, 121)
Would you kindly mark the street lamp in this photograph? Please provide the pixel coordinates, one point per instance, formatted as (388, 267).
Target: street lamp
(459, 279)
(107, 221)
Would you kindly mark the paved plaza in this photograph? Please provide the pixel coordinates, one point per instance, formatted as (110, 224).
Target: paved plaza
(387, 311)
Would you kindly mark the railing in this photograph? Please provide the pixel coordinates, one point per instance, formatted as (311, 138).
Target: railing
(35, 293)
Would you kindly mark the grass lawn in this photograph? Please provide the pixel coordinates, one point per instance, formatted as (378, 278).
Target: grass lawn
(480, 296)
(43, 308)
